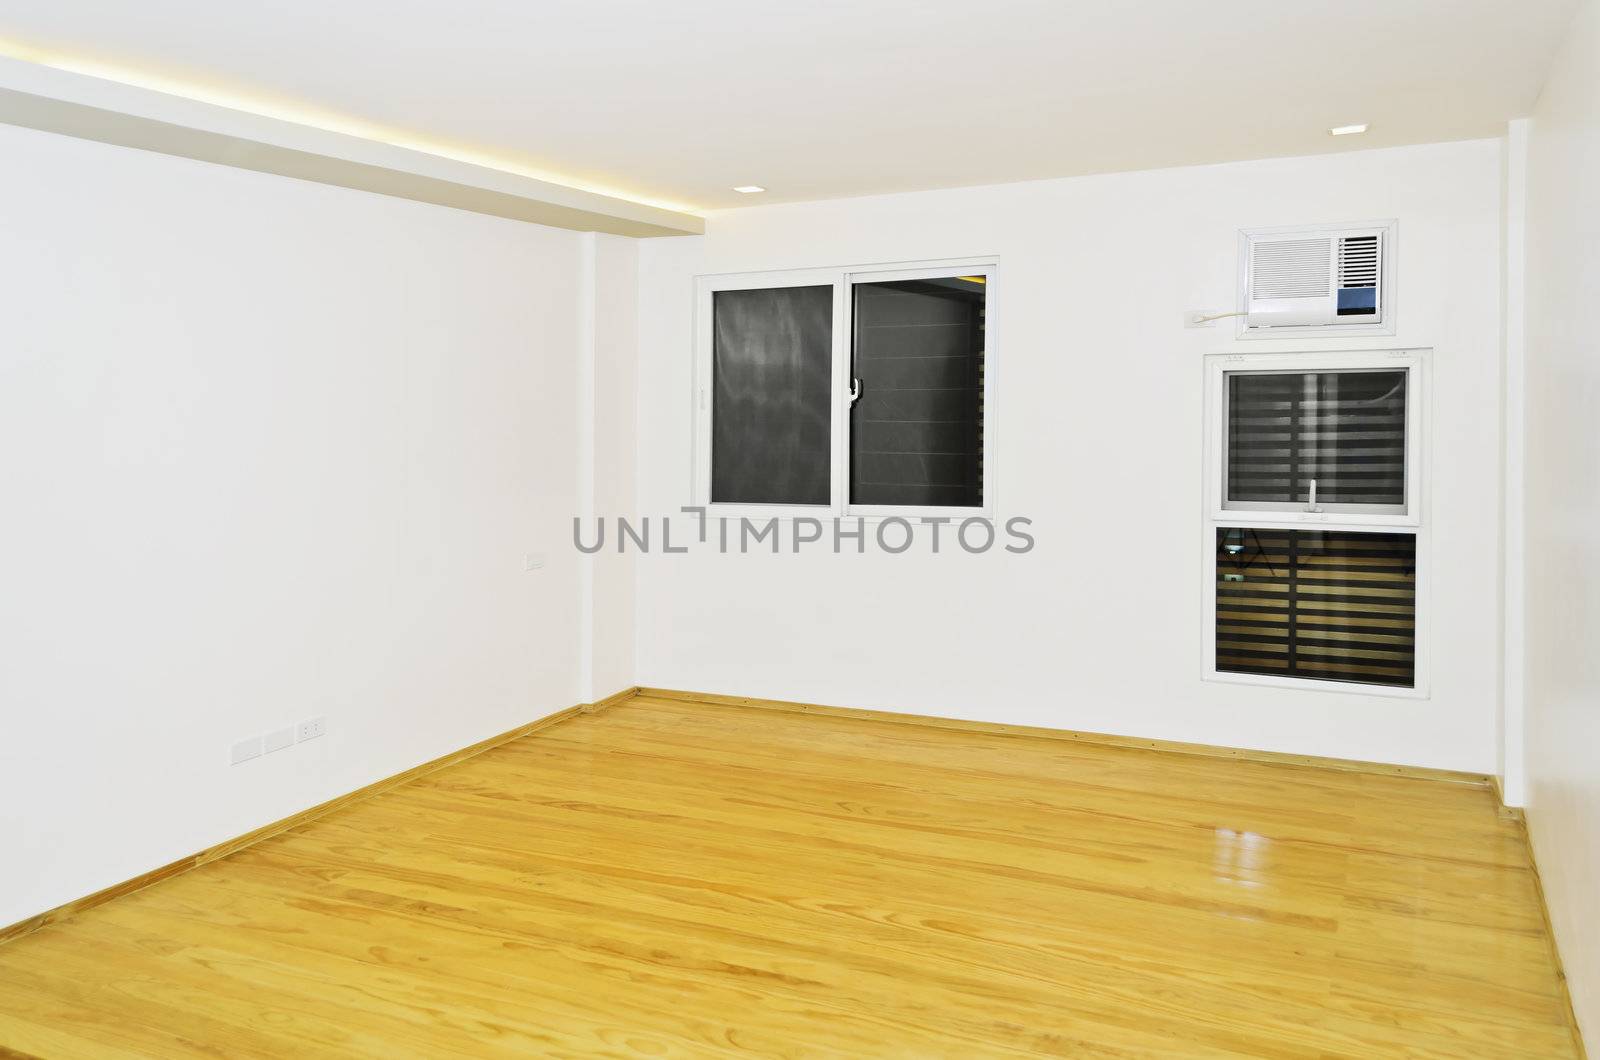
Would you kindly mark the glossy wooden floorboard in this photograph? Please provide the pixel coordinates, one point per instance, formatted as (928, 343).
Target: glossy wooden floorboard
(687, 879)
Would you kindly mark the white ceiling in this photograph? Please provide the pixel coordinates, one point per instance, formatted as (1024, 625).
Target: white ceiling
(676, 102)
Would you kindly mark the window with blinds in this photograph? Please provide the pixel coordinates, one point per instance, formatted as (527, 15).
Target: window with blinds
(1325, 447)
(1328, 605)
(916, 427)
(1312, 441)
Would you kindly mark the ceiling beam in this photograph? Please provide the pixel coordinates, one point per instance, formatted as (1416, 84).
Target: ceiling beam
(91, 108)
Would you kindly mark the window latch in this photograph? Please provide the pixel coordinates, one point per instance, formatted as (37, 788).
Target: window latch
(855, 392)
(1311, 499)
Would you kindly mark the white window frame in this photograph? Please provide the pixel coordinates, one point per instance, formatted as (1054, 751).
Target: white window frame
(705, 288)
(1214, 517)
(843, 278)
(1218, 366)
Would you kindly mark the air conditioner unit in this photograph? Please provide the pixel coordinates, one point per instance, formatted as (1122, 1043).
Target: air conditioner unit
(1329, 279)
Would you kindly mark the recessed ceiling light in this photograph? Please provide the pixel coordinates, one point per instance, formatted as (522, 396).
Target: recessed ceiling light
(749, 189)
(1347, 130)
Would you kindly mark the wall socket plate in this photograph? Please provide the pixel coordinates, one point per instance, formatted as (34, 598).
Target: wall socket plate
(533, 561)
(278, 740)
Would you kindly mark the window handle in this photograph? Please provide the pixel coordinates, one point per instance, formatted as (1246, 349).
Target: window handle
(1311, 501)
(855, 392)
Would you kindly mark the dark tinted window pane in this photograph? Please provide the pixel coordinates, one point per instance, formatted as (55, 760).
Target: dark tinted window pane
(1331, 605)
(771, 419)
(1345, 430)
(916, 433)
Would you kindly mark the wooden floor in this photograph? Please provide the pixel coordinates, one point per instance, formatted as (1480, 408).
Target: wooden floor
(683, 879)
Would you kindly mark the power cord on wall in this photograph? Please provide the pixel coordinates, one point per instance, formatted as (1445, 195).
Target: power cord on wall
(1206, 318)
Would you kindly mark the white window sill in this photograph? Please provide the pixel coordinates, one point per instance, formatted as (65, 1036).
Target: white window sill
(1352, 688)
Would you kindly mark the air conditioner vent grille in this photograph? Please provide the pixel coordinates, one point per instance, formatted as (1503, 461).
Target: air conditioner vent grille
(1291, 268)
(1358, 261)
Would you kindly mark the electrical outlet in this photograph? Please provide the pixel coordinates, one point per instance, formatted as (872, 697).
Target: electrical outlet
(1196, 318)
(310, 730)
(278, 740)
(533, 561)
(245, 750)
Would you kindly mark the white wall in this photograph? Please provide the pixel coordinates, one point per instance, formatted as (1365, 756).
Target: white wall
(608, 415)
(1512, 728)
(268, 450)
(1563, 505)
(1096, 425)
